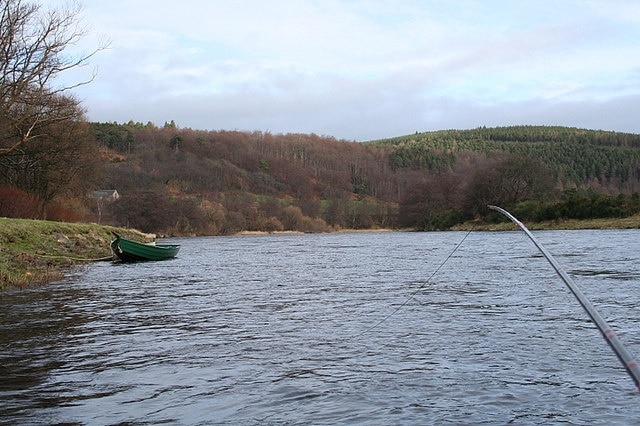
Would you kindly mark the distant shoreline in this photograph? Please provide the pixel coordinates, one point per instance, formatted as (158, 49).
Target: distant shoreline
(37, 252)
(631, 222)
(337, 231)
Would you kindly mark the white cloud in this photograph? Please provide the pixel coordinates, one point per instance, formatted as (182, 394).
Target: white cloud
(360, 69)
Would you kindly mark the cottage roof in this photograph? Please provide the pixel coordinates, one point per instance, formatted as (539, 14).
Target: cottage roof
(106, 193)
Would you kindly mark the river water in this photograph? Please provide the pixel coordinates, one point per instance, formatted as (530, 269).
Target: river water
(363, 328)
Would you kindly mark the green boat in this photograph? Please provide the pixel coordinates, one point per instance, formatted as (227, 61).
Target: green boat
(133, 251)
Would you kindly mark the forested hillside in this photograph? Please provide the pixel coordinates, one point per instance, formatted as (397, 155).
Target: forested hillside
(179, 181)
(229, 181)
(608, 161)
(188, 181)
(56, 165)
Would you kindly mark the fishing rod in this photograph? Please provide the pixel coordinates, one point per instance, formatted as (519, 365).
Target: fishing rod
(610, 336)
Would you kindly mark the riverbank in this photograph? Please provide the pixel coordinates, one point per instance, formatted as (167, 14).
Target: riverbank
(631, 222)
(38, 251)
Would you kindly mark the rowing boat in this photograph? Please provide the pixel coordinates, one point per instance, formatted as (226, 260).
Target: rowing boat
(133, 251)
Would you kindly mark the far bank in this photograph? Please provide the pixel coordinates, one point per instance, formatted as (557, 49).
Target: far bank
(631, 222)
(35, 252)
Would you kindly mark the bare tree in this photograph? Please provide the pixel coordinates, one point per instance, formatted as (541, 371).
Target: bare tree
(32, 42)
(64, 162)
(508, 179)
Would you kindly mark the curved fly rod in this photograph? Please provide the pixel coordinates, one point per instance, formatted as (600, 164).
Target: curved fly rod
(610, 336)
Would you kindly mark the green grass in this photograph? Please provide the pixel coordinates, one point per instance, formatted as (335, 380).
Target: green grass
(37, 251)
(631, 222)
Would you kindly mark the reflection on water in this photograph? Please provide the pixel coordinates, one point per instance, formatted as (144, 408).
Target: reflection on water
(326, 329)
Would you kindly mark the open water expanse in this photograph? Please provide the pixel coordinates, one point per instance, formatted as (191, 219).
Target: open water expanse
(363, 328)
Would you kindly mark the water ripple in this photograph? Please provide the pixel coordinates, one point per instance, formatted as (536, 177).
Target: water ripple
(329, 329)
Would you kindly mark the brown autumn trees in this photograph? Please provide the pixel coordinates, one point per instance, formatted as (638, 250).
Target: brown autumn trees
(32, 43)
(220, 182)
(255, 181)
(45, 146)
(62, 164)
(507, 179)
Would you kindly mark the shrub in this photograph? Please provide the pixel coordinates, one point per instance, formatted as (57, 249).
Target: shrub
(18, 204)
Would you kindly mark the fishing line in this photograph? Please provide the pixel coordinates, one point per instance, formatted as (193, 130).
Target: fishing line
(411, 296)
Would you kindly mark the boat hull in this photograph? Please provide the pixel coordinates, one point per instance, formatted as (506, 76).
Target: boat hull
(132, 251)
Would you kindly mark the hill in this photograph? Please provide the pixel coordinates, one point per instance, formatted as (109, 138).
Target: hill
(229, 181)
(184, 181)
(577, 157)
(177, 181)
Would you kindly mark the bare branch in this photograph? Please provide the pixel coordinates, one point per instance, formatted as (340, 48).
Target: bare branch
(32, 45)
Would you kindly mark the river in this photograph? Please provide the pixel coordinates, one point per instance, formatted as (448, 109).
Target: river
(345, 328)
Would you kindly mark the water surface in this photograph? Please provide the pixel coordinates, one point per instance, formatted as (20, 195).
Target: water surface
(371, 328)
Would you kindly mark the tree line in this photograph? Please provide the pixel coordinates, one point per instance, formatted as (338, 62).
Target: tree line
(182, 181)
(608, 161)
(230, 181)
(185, 181)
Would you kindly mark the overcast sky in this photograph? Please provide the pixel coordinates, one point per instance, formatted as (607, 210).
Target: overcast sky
(363, 69)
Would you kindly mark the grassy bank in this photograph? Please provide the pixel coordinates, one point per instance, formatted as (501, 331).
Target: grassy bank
(631, 222)
(37, 251)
